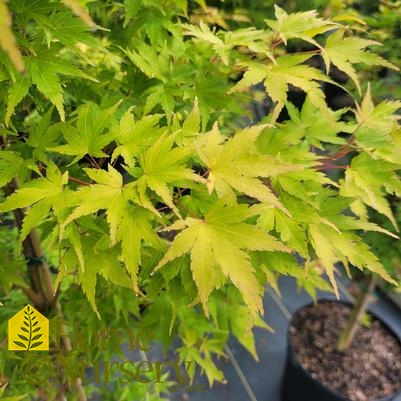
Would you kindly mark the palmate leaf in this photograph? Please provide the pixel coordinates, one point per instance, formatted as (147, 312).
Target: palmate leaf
(107, 193)
(369, 180)
(88, 137)
(376, 123)
(161, 165)
(223, 42)
(129, 223)
(134, 229)
(16, 93)
(11, 164)
(43, 70)
(234, 164)
(218, 245)
(41, 194)
(134, 136)
(332, 246)
(302, 25)
(345, 52)
(287, 70)
(45, 188)
(83, 255)
(69, 30)
(308, 124)
(150, 62)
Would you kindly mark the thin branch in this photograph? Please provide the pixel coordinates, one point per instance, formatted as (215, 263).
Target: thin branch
(348, 333)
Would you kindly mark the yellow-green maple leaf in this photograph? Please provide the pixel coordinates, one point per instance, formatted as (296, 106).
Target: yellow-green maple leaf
(235, 164)
(162, 165)
(218, 245)
(287, 70)
(302, 25)
(345, 52)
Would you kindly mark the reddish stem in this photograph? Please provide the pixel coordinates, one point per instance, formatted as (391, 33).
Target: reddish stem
(78, 181)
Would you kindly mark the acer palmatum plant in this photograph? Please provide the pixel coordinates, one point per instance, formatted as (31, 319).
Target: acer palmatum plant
(127, 166)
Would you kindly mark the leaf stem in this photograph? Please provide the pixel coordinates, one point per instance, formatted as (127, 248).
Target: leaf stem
(78, 181)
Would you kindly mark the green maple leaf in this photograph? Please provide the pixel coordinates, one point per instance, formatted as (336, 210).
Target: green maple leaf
(43, 70)
(88, 137)
(235, 164)
(301, 25)
(108, 193)
(11, 164)
(291, 233)
(161, 165)
(36, 190)
(287, 70)
(150, 62)
(77, 8)
(41, 194)
(135, 228)
(16, 93)
(68, 29)
(376, 123)
(218, 245)
(129, 224)
(366, 180)
(332, 246)
(345, 52)
(224, 42)
(133, 137)
(308, 124)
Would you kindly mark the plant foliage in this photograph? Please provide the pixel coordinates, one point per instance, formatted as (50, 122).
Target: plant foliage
(128, 147)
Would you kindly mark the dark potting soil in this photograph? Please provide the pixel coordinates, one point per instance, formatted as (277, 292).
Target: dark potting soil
(370, 369)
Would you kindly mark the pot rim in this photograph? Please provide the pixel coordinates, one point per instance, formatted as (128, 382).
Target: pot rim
(292, 355)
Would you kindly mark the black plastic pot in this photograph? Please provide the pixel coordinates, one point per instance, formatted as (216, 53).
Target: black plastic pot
(299, 385)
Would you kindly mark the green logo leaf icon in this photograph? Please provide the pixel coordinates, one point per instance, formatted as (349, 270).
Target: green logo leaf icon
(30, 331)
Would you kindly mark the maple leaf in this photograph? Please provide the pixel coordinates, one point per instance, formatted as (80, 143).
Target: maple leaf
(16, 93)
(107, 193)
(150, 62)
(218, 245)
(36, 190)
(365, 180)
(291, 233)
(287, 70)
(43, 70)
(133, 137)
(11, 164)
(345, 52)
(69, 30)
(133, 229)
(128, 222)
(88, 137)
(234, 164)
(308, 124)
(301, 25)
(332, 246)
(375, 122)
(161, 165)
(40, 193)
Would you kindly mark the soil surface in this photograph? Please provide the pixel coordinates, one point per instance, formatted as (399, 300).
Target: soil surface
(370, 369)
